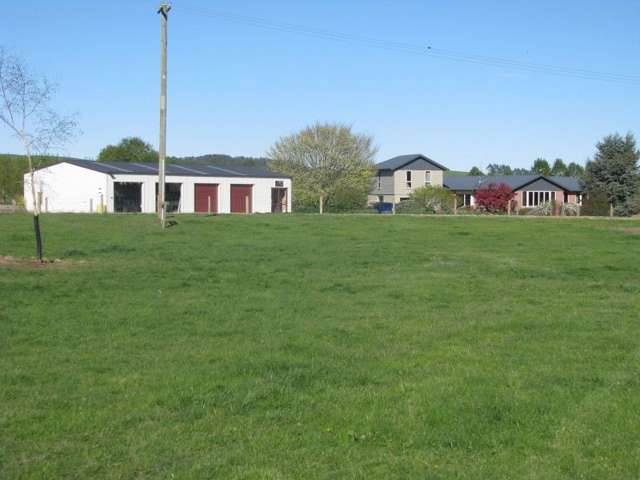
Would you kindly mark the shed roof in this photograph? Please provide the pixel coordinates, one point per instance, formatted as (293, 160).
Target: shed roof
(175, 169)
(515, 182)
(400, 161)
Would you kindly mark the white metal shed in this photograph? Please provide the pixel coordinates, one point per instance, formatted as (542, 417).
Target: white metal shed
(89, 186)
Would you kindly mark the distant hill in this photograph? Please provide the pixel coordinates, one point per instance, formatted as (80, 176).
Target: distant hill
(456, 173)
(221, 160)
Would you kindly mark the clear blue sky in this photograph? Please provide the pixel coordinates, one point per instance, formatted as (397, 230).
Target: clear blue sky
(235, 89)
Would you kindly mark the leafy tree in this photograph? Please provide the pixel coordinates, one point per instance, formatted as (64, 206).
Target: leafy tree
(476, 172)
(521, 171)
(494, 198)
(130, 149)
(26, 112)
(559, 168)
(575, 170)
(497, 169)
(325, 161)
(614, 171)
(541, 167)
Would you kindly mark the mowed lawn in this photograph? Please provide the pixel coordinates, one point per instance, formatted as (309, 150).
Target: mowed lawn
(308, 347)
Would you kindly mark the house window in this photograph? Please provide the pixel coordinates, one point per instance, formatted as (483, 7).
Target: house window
(579, 198)
(467, 200)
(427, 177)
(408, 178)
(533, 199)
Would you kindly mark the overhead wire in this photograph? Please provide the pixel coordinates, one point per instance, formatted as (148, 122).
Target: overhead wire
(426, 51)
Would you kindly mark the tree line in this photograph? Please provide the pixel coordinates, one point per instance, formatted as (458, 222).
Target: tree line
(136, 150)
(540, 166)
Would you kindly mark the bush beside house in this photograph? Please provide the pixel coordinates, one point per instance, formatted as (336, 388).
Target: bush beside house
(428, 200)
(595, 204)
(494, 198)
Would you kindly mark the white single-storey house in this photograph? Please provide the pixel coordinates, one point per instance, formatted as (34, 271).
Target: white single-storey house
(90, 186)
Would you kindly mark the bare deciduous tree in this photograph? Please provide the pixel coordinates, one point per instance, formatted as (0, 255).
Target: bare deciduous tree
(25, 110)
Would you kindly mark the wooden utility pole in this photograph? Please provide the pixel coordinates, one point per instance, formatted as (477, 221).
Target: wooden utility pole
(162, 150)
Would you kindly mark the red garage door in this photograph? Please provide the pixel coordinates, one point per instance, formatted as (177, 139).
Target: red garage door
(241, 198)
(206, 198)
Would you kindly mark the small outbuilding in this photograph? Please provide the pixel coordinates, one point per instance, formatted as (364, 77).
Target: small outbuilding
(90, 186)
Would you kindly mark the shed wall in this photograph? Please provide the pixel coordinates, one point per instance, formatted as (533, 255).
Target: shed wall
(67, 188)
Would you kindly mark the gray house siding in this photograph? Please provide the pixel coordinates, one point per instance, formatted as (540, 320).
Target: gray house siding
(541, 185)
(383, 183)
(420, 164)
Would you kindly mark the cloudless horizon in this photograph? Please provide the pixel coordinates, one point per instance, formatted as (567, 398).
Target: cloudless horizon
(235, 88)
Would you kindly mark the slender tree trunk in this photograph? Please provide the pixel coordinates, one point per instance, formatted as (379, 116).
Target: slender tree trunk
(611, 209)
(36, 228)
(36, 205)
(321, 203)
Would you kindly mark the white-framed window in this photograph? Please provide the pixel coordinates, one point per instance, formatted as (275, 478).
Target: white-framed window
(408, 177)
(427, 177)
(579, 198)
(533, 199)
(468, 200)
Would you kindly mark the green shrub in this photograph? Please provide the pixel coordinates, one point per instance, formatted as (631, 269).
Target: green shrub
(635, 204)
(427, 200)
(410, 206)
(570, 209)
(544, 209)
(595, 204)
(524, 211)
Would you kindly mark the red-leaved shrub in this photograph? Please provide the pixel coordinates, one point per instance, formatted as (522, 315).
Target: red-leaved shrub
(494, 198)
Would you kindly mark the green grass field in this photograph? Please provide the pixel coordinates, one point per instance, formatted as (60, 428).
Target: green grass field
(307, 347)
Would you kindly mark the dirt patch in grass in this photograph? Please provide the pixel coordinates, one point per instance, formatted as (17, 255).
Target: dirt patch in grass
(16, 262)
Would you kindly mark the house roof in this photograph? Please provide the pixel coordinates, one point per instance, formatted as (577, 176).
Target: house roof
(515, 182)
(400, 161)
(175, 169)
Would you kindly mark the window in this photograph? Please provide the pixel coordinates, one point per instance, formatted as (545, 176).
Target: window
(408, 178)
(579, 199)
(467, 200)
(427, 178)
(533, 199)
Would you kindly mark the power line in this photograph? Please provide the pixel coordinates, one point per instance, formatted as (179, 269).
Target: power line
(409, 48)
